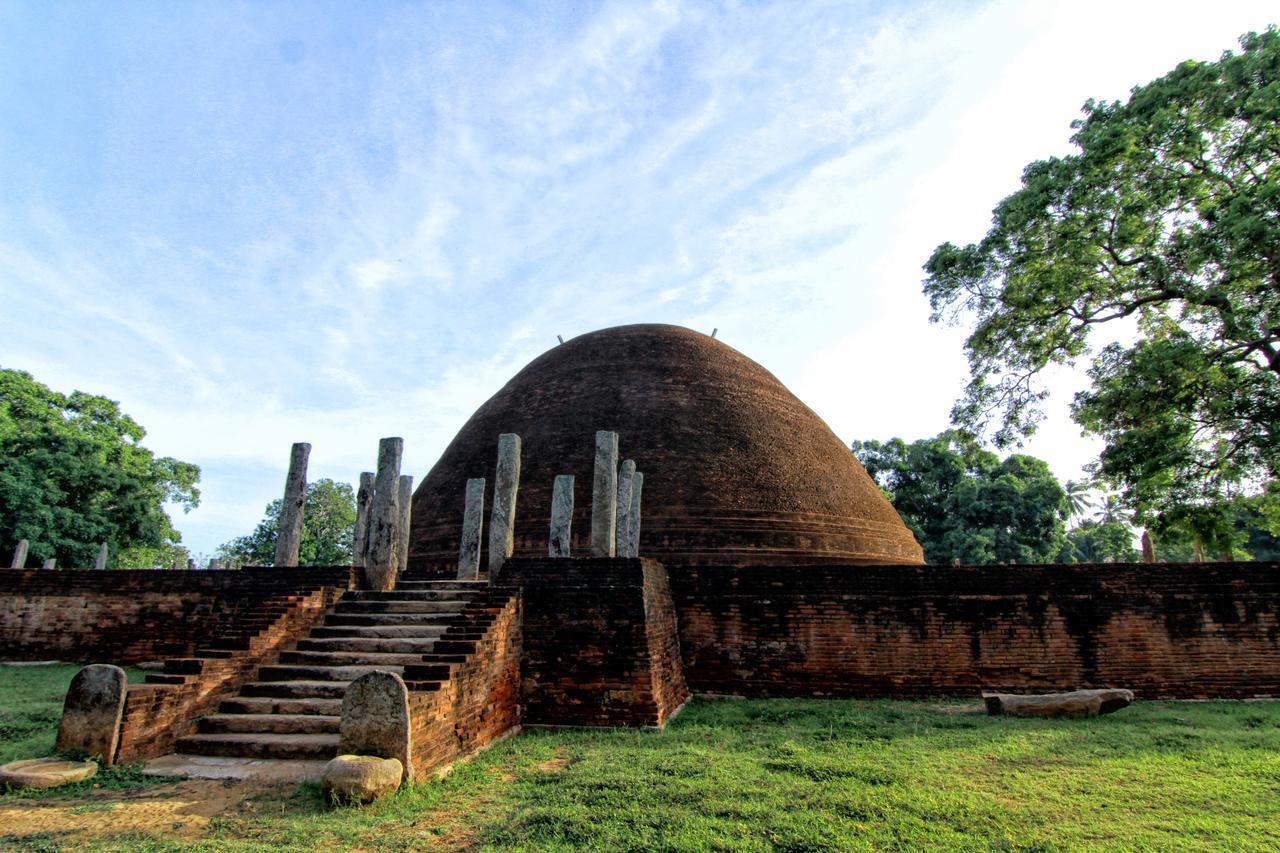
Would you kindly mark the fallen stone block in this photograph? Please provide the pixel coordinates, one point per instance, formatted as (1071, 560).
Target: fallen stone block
(361, 778)
(1077, 703)
(91, 713)
(45, 772)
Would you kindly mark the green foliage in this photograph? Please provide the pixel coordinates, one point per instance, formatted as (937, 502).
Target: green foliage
(1100, 542)
(328, 527)
(964, 503)
(73, 474)
(1166, 222)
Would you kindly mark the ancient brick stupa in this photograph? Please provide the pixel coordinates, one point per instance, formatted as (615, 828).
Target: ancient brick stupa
(737, 470)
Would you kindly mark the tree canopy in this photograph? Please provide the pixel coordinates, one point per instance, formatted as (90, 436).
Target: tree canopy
(73, 474)
(1165, 227)
(328, 527)
(965, 503)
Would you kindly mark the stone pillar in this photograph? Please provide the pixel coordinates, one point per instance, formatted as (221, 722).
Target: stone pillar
(472, 527)
(179, 561)
(625, 472)
(633, 517)
(406, 507)
(20, 555)
(101, 562)
(364, 499)
(213, 564)
(561, 517)
(604, 496)
(382, 560)
(51, 563)
(289, 532)
(502, 521)
(1148, 548)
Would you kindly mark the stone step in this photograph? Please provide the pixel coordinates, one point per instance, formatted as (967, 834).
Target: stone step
(297, 689)
(402, 606)
(288, 746)
(333, 620)
(367, 644)
(411, 583)
(317, 672)
(295, 724)
(280, 705)
(424, 631)
(218, 767)
(445, 595)
(356, 658)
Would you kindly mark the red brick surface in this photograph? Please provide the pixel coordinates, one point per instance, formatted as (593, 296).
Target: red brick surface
(1202, 630)
(600, 642)
(737, 469)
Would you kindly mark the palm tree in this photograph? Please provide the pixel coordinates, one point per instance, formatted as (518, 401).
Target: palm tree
(1079, 497)
(1112, 510)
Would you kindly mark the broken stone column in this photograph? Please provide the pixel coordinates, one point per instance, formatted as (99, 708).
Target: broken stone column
(625, 472)
(91, 713)
(472, 526)
(1148, 548)
(289, 533)
(633, 517)
(561, 516)
(406, 507)
(604, 496)
(364, 498)
(20, 555)
(502, 521)
(179, 561)
(101, 562)
(51, 563)
(383, 560)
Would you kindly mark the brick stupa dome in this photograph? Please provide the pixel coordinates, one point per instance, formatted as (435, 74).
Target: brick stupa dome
(737, 470)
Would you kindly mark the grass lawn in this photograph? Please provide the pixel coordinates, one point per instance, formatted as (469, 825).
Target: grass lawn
(809, 775)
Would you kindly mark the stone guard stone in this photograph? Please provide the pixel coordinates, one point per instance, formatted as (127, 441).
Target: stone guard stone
(375, 719)
(91, 713)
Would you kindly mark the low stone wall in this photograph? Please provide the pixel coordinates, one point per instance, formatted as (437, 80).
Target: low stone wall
(466, 694)
(1195, 630)
(600, 642)
(126, 616)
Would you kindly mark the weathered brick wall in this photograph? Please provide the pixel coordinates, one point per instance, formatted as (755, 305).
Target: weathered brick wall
(123, 616)
(600, 642)
(158, 713)
(467, 694)
(1162, 630)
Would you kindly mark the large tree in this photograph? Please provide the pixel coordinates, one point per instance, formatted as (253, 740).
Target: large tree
(1164, 226)
(328, 526)
(964, 503)
(74, 474)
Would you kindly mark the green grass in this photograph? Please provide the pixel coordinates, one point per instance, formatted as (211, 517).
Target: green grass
(30, 710)
(819, 774)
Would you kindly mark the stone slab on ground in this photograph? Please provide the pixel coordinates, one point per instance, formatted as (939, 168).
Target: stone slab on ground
(216, 767)
(361, 778)
(1077, 703)
(45, 772)
(91, 712)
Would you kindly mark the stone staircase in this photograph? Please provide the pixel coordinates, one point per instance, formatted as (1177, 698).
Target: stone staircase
(290, 712)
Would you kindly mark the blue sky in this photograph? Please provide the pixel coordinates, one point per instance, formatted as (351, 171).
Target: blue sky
(259, 223)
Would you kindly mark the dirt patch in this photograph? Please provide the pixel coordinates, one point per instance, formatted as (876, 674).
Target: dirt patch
(180, 810)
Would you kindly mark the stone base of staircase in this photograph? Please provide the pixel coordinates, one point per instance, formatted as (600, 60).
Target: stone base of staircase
(213, 767)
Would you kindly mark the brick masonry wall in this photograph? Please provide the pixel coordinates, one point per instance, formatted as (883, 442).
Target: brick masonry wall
(124, 616)
(467, 696)
(600, 642)
(1198, 630)
(166, 708)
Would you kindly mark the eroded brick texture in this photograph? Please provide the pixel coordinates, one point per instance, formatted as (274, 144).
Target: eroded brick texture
(1200, 630)
(737, 469)
(166, 707)
(123, 616)
(465, 695)
(600, 642)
